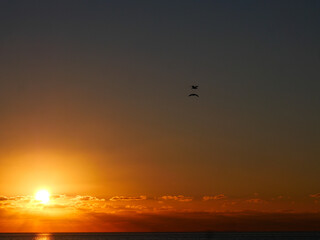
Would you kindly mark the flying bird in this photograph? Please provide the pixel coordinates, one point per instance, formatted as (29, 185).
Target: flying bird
(193, 95)
(194, 87)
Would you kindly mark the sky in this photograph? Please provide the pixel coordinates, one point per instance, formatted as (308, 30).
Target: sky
(94, 108)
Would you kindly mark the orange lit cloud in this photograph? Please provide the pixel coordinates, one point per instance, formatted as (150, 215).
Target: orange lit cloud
(179, 198)
(217, 197)
(123, 198)
(173, 213)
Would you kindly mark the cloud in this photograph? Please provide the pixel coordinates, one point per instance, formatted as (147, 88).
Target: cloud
(55, 206)
(135, 207)
(76, 213)
(163, 222)
(216, 197)
(58, 196)
(179, 198)
(89, 198)
(316, 195)
(204, 221)
(15, 201)
(255, 200)
(2, 198)
(123, 198)
(78, 202)
(17, 198)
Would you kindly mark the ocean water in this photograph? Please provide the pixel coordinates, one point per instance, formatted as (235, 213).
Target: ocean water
(163, 236)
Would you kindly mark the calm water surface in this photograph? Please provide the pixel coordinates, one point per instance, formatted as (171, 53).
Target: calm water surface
(162, 236)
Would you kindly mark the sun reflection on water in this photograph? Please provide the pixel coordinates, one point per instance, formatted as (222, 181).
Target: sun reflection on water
(43, 236)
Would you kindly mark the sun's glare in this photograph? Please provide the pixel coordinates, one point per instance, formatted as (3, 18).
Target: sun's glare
(43, 196)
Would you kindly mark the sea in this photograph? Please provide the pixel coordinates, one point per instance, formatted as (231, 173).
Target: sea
(164, 236)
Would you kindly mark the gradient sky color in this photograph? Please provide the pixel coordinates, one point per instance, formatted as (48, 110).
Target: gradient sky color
(94, 102)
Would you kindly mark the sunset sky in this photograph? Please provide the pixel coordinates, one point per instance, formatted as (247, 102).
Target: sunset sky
(94, 108)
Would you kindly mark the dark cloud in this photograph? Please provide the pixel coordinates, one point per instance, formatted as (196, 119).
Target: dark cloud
(255, 200)
(204, 221)
(3, 198)
(217, 197)
(16, 198)
(316, 195)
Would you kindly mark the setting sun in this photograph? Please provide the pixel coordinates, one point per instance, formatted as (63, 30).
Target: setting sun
(43, 196)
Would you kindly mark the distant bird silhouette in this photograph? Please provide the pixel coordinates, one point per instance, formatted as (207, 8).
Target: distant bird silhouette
(193, 95)
(194, 87)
